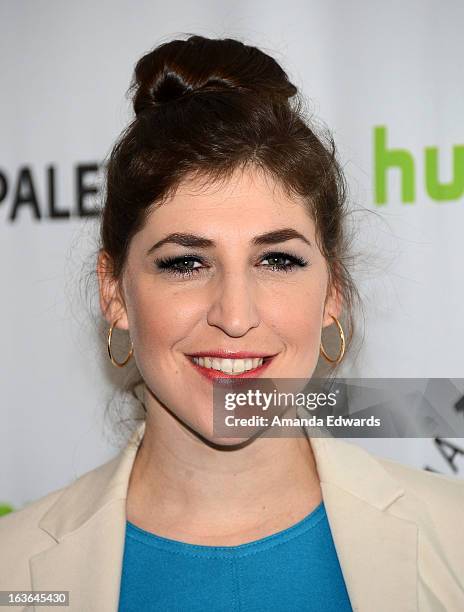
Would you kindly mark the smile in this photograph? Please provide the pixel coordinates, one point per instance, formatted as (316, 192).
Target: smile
(229, 366)
(221, 364)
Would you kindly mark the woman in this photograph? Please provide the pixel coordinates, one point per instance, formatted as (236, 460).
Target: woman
(223, 256)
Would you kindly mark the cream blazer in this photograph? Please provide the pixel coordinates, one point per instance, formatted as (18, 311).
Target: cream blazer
(398, 532)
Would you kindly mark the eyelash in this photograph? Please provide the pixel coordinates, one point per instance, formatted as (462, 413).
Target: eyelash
(168, 264)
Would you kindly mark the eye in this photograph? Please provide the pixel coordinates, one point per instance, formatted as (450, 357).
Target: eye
(191, 265)
(182, 266)
(283, 262)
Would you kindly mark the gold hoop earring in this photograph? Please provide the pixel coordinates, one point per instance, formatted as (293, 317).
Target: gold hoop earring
(119, 364)
(342, 344)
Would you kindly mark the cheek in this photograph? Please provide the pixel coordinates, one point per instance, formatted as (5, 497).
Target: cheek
(297, 315)
(159, 319)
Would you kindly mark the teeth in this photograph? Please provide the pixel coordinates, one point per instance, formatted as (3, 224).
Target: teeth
(229, 366)
(238, 365)
(226, 366)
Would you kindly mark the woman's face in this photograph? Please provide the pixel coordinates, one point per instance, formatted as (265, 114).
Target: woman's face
(231, 267)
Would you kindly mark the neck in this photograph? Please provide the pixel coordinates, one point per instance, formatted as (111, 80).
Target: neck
(182, 486)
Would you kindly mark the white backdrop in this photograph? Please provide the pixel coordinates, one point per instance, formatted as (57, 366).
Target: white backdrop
(65, 68)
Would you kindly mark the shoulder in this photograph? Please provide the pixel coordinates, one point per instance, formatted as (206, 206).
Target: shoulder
(432, 488)
(438, 512)
(21, 538)
(434, 502)
(438, 509)
(23, 534)
(380, 481)
(22, 520)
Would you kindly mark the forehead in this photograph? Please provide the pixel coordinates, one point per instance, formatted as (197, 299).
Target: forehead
(249, 201)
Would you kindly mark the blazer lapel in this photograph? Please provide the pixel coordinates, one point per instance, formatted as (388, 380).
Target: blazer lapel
(372, 527)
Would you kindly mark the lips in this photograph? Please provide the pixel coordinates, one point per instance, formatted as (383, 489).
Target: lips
(231, 365)
(225, 354)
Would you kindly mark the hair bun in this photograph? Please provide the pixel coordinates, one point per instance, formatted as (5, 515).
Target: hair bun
(181, 67)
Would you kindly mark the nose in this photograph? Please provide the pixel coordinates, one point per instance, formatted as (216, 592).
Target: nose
(233, 307)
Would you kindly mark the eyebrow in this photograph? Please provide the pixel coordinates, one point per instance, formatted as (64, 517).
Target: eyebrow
(201, 242)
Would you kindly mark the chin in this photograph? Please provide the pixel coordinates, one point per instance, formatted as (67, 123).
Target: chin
(228, 443)
(205, 432)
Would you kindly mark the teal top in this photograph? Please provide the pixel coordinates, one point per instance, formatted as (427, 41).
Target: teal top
(296, 569)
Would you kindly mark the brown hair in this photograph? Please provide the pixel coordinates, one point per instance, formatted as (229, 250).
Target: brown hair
(207, 107)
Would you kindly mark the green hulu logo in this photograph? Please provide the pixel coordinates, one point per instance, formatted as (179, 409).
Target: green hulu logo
(5, 509)
(403, 160)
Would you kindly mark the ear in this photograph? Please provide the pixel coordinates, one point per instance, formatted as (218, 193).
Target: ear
(112, 302)
(333, 305)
